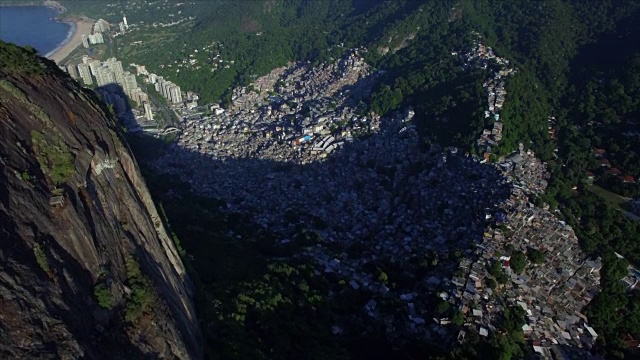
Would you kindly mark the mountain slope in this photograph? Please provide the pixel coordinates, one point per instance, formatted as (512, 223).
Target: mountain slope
(86, 267)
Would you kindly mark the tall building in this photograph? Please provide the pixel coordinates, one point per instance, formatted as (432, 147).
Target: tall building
(94, 65)
(157, 85)
(153, 78)
(124, 20)
(129, 83)
(85, 74)
(105, 76)
(166, 85)
(122, 27)
(139, 96)
(147, 111)
(96, 38)
(168, 89)
(96, 28)
(85, 41)
(175, 94)
(116, 67)
(103, 25)
(73, 71)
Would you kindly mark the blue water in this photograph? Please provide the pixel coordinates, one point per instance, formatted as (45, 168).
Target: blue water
(33, 26)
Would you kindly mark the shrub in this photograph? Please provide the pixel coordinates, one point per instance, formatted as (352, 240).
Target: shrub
(141, 293)
(54, 156)
(41, 258)
(383, 277)
(104, 296)
(13, 90)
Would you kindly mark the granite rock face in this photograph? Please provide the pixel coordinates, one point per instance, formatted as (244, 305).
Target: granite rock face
(76, 220)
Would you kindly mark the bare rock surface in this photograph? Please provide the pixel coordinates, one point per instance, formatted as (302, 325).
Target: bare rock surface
(75, 213)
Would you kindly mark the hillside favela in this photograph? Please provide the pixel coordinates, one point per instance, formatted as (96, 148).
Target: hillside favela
(320, 179)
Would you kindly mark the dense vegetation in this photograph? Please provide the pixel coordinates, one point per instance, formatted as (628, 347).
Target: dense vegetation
(54, 157)
(20, 60)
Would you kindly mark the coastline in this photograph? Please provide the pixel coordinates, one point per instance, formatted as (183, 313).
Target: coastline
(72, 41)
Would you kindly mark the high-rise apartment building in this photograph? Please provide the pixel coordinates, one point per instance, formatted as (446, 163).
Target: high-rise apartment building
(139, 96)
(116, 67)
(129, 83)
(102, 25)
(175, 94)
(85, 74)
(96, 38)
(73, 71)
(94, 65)
(147, 111)
(105, 76)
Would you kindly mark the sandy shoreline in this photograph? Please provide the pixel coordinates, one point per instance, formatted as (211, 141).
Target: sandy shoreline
(75, 40)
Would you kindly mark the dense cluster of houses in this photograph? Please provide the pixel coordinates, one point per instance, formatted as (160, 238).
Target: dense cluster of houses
(295, 112)
(292, 151)
(499, 69)
(552, 293)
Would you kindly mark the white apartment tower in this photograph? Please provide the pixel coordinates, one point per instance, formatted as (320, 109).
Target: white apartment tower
(103, 25)
(85, 74)
(116, 67)
(175, 94)
(147, 111)
(129, 83)
(73, 71)
(105, 76)
(94, 65)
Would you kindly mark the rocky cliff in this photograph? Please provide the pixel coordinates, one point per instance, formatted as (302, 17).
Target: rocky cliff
(86, 267)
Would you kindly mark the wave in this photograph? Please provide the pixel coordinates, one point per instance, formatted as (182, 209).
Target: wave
(70, 33)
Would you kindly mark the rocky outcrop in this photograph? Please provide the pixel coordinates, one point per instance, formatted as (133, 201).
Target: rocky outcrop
(87, 269)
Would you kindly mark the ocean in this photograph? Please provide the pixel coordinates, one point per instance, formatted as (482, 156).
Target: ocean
(34, 26)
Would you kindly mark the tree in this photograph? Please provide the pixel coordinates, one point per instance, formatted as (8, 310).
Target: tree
(104, 296)
(490, 283)
(535, 256)
(383, 278)
(443, 307)
(458, 318)
(518, 262)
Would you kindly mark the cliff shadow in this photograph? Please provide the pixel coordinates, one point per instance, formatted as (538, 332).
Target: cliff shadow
(373, 220)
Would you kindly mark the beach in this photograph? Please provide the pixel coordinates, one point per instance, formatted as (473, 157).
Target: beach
(74, 40)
